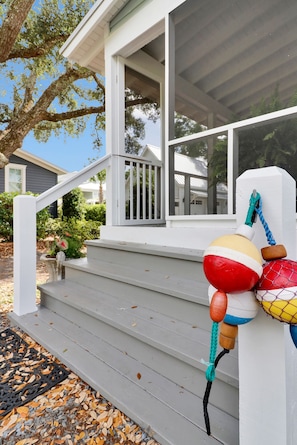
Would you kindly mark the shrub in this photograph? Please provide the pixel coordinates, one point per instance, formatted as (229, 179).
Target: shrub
(73, 204)
(6, 217)
(75, 232)
(95, 212)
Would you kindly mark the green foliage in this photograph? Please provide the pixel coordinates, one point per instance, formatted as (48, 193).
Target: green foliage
(41, 220)
(6, 217)
(96, 212)
(183, 126)
(262, 146)
(134, 130)
(73, 204)
(34, 74)
(75, 232)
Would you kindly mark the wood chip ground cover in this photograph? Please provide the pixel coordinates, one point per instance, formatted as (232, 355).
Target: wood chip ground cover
(71, 412)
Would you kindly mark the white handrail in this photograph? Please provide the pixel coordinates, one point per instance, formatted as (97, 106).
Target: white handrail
(58, 190)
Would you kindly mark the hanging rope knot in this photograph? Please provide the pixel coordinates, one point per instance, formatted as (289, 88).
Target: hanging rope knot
(254, 203)
(210, 372)
(204, 362)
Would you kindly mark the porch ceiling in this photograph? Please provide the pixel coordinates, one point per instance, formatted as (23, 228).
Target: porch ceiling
(228, 54)
(235, 52)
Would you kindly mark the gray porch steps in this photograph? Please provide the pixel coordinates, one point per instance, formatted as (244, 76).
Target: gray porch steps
(134, 320)
(184, 341)
(176, 417)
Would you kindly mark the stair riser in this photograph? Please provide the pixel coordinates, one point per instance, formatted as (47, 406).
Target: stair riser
(165, 265)
(187, 311)
(183, 374)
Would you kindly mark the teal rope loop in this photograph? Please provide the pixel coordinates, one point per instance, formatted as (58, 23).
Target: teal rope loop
(210, 373)
(254, 200)
(268, 233)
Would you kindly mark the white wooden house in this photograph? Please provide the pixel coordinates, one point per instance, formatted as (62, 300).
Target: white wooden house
(195, 201)
(135, 322)
(93, 191)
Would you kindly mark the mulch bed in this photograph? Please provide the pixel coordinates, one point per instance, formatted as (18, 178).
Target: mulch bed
(69, 413)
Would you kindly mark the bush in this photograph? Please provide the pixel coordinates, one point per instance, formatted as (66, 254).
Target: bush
(6, 217)
(95, 212)
(75, 232)
(73, 204)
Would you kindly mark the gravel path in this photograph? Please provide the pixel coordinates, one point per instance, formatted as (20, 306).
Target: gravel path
(71, 412)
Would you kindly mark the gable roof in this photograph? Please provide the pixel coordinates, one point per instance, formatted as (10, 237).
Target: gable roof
(39, 161)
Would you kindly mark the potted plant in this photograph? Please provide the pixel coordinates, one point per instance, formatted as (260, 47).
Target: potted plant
(60, 249)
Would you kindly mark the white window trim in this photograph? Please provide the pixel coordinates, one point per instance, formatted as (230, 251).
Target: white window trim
(23, 175)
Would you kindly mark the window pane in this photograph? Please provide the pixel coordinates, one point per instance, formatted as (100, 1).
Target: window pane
(15, 180)
(142, 113)
(199, 178)
(269, 145)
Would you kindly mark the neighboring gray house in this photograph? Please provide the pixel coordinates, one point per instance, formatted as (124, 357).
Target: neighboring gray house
(29, 173)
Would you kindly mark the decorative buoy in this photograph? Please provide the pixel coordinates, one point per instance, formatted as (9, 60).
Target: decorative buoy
(241, 308)
(277, 290)
(232, 263)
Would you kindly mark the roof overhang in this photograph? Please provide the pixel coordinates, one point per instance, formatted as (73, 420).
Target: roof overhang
(39, 161)
(85, 46)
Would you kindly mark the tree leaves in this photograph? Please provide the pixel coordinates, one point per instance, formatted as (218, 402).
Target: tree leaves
(43, 92)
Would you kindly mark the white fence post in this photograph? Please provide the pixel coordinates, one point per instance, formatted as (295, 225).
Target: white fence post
(24, 255)
(267, 357)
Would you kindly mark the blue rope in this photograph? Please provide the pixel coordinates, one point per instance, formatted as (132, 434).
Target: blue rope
(211, 370)
(268, 233)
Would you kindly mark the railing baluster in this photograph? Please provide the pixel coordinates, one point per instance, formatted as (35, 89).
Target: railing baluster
(156, 193)
(131, 203)
(138, 190)
(144, 199)
(150, 191)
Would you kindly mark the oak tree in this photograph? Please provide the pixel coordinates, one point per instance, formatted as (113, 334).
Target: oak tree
(43, 93)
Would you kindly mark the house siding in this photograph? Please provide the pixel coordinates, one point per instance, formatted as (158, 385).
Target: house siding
(38, 179)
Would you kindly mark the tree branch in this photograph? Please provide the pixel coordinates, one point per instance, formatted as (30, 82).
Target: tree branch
(56, 117)
(99, 83)
(36, 51)
(139, 101)
(55, 88)
(11, 26)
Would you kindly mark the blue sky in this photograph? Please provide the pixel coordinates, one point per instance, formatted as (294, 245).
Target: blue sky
(69, 153)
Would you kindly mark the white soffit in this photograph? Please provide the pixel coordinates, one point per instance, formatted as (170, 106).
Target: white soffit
(86, 44)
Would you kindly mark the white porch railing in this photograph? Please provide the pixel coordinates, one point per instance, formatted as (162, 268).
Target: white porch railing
(143, 191)
(24, 231)
(144, 205)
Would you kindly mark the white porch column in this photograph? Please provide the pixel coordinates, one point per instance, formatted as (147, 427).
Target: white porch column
(24, 255)
(267, 357)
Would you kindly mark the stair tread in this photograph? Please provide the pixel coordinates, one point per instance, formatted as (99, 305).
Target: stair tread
(183, 340)
(119, 377)
(150, 249)
(191, 290)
